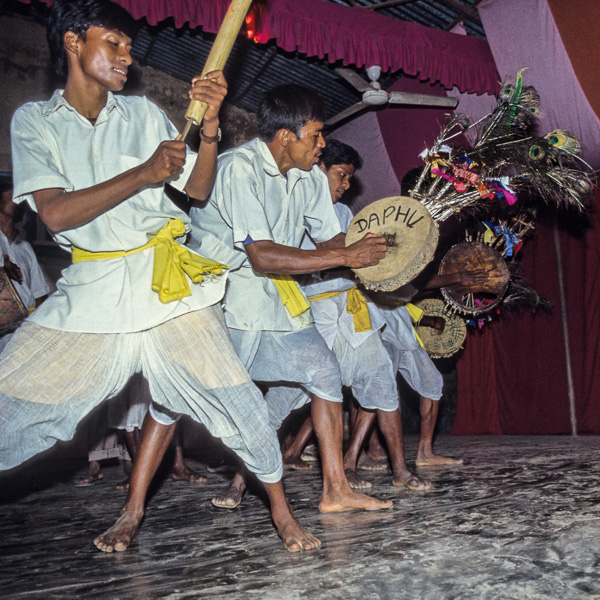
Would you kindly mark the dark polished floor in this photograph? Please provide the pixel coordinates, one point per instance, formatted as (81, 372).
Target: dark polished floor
(520, 519)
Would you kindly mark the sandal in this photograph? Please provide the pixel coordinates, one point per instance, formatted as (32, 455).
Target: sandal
(88, 480)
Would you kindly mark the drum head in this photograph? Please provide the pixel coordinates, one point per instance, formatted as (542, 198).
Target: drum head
(412, 237)
(475, 300)
(451, 339)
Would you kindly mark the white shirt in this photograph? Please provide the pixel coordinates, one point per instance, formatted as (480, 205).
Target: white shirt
(331, 314)
(34, 283)
(252, 198)
(56, 147)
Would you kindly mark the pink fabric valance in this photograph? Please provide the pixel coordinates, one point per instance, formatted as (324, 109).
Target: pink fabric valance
(361, 37)
(354, 36)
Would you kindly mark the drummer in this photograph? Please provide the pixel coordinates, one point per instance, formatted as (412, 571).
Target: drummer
(351, 326)
(17, 256)
(267, 194)
(330, 301)
(411, 360)
(111, 210)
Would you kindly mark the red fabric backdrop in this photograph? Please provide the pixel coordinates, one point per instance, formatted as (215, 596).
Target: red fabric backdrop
(512, 374)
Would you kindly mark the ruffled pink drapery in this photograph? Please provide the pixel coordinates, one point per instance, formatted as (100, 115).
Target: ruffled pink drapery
(361, 37)
(354, 36)
(512, 376)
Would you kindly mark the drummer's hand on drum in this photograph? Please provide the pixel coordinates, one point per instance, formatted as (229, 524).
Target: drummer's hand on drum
(476, 277)
(12, 270)
(438, 324)
(367, 252)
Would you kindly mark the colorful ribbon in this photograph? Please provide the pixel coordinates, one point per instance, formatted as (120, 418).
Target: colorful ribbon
(356, 305)
(172, 262)
(290, 294)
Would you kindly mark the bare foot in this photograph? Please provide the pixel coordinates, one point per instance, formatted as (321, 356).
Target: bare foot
(355, 482)
(294, 536)
(123, 485)
(410, 481)
(186, 474)
(297, 465)
(119, 536)
(366, 463)
(342, 499)
(435, 460)
(232, 496)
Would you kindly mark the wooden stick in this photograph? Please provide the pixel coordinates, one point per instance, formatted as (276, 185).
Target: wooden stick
(218, 56)
(565, 329)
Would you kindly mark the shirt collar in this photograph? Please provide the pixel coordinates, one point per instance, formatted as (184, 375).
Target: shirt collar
(270, 166)
(57, 101)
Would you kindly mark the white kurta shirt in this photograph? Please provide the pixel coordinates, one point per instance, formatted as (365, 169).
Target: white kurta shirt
(251, 198)
(56, 147)
(330, 314)
(34, 283)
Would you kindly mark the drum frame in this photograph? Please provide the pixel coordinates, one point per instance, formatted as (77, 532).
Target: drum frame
(9, 295)
(451, 297)
(409, 212)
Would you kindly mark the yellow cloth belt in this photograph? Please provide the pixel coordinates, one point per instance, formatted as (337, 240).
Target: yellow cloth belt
(416, 314)
(356, 306)
(290, 294)
(172, 262)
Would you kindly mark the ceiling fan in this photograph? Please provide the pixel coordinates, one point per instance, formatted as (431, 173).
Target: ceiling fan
(373, 95)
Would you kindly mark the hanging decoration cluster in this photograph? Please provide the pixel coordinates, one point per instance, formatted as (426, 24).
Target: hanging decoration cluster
(499, 183)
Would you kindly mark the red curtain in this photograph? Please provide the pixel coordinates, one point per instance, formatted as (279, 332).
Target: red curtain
(512, 374)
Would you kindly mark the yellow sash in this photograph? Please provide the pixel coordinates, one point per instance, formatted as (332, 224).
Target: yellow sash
(290, 294)
(416, 314)
(356, 306)
(172, 262)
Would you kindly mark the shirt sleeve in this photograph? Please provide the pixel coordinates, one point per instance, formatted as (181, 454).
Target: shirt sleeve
(36, 165)
(241, 201)
(35, 276)
(319, 216)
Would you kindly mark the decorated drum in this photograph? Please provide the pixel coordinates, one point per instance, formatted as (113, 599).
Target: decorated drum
(475, 299)
(12, 309)
(450, 341)
(411, 235)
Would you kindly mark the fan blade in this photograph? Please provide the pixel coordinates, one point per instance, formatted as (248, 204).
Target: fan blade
(345, 113)
(422, 99)
(354, 79)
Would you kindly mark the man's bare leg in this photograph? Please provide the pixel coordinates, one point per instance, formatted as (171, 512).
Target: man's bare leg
(180, 471)
(292, 454)
(362, 423)
(133, 440)
(425, 456)
(375, 457)
(390, 423)
(294, 536)
(337, 494)
(155, 441)
(232, 496)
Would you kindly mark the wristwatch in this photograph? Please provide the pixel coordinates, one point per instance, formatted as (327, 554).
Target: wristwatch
(210, 139)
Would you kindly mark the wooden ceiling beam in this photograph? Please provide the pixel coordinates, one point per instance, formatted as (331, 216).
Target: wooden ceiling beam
(387, 4)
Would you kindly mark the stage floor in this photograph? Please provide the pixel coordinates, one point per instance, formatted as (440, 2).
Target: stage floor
(520, 519)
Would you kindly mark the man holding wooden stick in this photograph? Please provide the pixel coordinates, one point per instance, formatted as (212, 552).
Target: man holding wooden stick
(94, 166)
